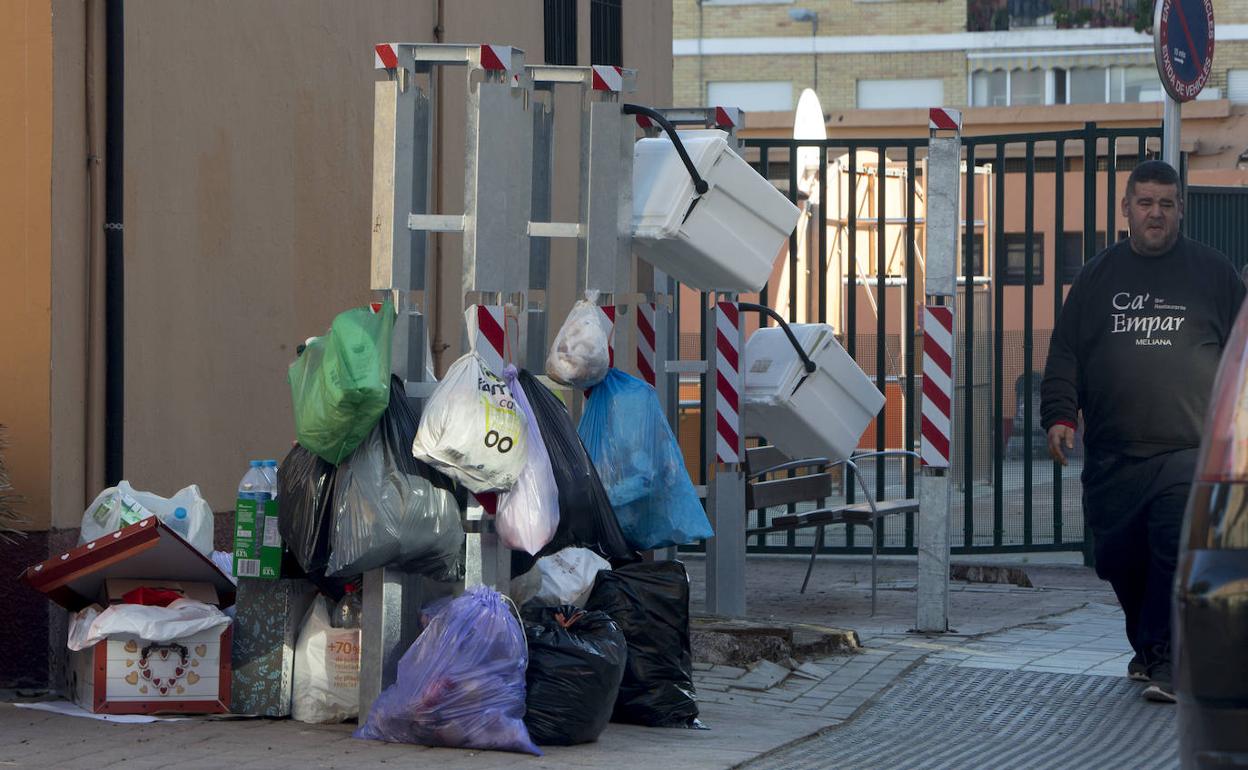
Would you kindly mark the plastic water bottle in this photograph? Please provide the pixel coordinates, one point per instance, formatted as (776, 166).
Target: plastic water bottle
(180, 523)
(270, 472)
(349, 609)
(255, 491)
(256, 485)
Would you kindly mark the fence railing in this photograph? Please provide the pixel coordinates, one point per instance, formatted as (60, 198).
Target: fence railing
(1026, 232)
(998, 15)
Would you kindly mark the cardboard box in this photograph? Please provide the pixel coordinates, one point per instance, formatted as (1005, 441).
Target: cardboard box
(116, 588)
(257, 541)
(123, 675)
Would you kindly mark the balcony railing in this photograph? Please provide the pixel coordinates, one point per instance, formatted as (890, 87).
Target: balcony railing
(990, 15)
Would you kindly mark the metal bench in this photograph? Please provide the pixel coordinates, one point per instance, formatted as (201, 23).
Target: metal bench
(814, 484)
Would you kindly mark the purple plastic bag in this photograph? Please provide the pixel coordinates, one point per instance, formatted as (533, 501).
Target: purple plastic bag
(461, 683)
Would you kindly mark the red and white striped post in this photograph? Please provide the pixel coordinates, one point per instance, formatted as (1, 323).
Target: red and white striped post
(727, 383)
(944, 223)
(487, 335)
(645, 342)
(936, 425)
(725, 494)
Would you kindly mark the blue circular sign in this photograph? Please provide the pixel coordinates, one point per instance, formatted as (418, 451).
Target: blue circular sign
(1183, 44)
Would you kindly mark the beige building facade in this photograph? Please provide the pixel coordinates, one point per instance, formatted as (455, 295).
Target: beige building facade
(874, 54)
(247, 200)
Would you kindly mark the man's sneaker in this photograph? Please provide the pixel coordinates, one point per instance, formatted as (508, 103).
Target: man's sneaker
(1160, 685)
(1137, 670)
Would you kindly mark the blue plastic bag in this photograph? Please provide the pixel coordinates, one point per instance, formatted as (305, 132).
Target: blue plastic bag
(639, 461)
(461, 683)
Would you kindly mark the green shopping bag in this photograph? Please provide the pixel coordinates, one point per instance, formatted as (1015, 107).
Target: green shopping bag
(341, 383)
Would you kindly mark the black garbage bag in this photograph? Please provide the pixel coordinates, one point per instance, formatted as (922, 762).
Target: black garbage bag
(650, 602)
(305, 485)
(576, 661)
(586, 518)
(390, 509)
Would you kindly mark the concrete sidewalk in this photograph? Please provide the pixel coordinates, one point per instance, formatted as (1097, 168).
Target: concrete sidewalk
(1066, 622)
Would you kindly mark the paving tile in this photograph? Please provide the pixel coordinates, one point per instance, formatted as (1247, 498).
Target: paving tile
(1052, 669)
(988, 664)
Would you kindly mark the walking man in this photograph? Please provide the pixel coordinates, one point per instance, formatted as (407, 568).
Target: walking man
(1136, 349)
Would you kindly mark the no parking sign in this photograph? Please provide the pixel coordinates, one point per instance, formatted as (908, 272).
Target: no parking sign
(1183, 44)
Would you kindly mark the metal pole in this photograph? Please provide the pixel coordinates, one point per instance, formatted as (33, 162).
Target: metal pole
(936, 490)
(1171, 125)
(724, 454)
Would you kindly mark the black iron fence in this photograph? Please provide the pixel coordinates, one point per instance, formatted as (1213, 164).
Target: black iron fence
(1036, 207)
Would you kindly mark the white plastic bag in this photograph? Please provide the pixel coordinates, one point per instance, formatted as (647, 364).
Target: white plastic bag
(123, 505)
(581, 353)
(562, 578)
(182, 618)
(528, 513)
(326, 685)
(470, 429)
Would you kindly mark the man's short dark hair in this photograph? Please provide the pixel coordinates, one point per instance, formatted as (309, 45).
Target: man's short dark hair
(1153, 171)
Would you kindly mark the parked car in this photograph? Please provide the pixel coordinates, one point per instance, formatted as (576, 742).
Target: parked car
(1211, 587)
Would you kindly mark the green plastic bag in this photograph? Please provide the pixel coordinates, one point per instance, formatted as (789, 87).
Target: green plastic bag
(341, 383)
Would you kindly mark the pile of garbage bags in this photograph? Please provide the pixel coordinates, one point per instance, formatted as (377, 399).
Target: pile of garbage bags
(480, 676)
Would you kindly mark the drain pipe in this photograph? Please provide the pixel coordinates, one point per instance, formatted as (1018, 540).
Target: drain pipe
(114, 260)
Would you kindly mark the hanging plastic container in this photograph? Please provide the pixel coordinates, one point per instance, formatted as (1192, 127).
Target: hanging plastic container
(725, 239)
(817, 414)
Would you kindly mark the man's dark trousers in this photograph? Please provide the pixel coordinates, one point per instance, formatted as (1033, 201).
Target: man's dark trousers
(1134, 507)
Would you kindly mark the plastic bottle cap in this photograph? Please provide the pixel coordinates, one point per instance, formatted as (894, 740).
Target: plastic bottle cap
(179, 513)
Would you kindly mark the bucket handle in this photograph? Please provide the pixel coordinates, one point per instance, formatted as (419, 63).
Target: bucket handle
(699, 184)
(801, 353)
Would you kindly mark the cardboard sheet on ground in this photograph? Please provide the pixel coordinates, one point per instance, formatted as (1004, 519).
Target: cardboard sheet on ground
(65, 708)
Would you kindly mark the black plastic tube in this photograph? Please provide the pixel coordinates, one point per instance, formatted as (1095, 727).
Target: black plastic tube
(699, 184)
(114, 261)
(810, 365)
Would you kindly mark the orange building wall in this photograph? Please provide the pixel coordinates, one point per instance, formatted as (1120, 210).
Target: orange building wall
(25, 248)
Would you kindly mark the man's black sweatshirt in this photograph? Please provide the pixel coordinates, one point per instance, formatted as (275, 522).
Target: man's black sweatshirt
(1137, 346)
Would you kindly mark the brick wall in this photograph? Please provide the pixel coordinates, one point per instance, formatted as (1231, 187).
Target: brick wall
(836, 17)
(838, 74)
(1227, 56)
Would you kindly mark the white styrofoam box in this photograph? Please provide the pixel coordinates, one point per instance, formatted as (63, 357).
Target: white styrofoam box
(728, 239)
(818, 415)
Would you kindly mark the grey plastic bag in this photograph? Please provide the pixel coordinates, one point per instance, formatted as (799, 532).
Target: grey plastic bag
(393, 510)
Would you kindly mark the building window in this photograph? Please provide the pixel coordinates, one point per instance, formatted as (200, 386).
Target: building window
(1237, 86)
(977, 256)
(894, 94)
(1071, 258)
(1087, 85)
(1027, 86)
(761, 96)
(1016, 259)
(1141, 84)
(990, 89)
(559, 22)
(606, 22)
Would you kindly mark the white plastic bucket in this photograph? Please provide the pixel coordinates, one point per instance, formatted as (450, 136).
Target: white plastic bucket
(727, 239)
(822, 414)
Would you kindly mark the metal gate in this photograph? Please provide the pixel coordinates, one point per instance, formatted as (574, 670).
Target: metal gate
(1036, 207)
(1218, 216)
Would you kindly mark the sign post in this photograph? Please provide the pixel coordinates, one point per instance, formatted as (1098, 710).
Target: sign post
(944, 179)
(1183, 47)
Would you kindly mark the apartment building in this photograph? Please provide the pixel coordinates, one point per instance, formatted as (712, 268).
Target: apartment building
(881, 54)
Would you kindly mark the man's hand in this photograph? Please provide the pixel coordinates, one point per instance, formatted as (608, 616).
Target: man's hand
(1060, 435)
